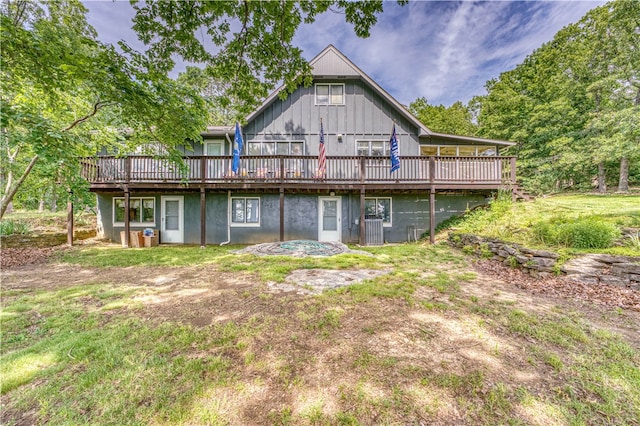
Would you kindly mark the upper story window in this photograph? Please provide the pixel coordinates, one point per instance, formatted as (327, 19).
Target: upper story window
(214, 147)
(379, 148)
(275, 148)
(330, 94)
(459, 150)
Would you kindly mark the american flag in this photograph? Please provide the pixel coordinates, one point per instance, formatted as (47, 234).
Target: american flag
(322, 155)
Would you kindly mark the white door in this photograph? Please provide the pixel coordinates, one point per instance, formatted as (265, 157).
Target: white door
(329, 219)
(172, 218)
(215, 167)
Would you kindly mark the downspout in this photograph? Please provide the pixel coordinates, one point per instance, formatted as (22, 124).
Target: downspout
(228, 220)
(228, 206)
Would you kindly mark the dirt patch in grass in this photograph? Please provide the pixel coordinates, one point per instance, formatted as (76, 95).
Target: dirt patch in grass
(440, 357)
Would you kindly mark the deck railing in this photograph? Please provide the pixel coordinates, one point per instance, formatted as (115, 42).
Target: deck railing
(300, 169)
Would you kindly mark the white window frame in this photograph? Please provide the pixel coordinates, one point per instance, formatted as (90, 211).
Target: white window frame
(329, 100)
(386, 147)
(276, 142)
(133, 223)
(245, 224)
(390, 222)
(457, 147)
(208, 142)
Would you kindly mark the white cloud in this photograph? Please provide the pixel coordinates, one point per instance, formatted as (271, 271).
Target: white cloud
(444, 51)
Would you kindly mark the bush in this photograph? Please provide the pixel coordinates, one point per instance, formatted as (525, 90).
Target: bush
(13, 227)
(589, 232)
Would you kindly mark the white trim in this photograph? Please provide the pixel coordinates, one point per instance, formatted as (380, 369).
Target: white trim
(132, 223)
(245, 224)
(180, 199)
(329, 85)
(384, 224)
(386, 145)
(208, 142)
(338, 231)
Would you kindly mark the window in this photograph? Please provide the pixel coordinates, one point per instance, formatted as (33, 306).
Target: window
(276, 148)
(458, 150)
(245, 211)
(214, 148)
(379, 208)
(142, 211)
(329, 94)
(373, 148)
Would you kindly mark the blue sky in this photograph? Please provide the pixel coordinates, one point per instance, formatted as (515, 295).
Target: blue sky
(442, 50)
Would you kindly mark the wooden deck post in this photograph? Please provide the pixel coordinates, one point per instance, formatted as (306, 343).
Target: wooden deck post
(203, 217)
(362, 227)
(432, 215)
(513, 170)
(70, 218)
(281, 213)
(127, 225)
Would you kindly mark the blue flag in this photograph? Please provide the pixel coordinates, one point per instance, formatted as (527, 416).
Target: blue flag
(395, 153)
(237, 149)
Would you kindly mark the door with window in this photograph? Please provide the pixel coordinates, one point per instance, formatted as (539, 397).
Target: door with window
(329, 219)
(172, 219)
(215, 168)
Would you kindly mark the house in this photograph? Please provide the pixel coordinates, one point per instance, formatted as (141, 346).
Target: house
(279, 192)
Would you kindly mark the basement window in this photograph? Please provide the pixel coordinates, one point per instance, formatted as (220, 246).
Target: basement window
(142, 211)
(378, 207)
(245, 211)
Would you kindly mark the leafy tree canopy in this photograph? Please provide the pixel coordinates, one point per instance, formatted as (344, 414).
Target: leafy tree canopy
(65, 94)
(248, 45)
(574, 104)
(456, 119)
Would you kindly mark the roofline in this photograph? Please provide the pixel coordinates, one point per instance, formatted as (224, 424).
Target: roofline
(422, 129)
(469, 139)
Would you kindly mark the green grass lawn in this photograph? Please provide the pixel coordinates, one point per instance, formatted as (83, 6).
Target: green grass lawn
(532, 223)
(429, 342)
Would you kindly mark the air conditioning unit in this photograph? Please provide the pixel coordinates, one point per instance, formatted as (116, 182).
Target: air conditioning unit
(373, 232)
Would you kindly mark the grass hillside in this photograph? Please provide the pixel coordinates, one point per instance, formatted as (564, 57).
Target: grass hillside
(572, 223)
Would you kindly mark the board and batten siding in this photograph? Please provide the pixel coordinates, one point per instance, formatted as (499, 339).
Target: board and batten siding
(365, 115)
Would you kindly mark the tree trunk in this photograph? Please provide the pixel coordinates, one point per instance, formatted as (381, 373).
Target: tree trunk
(41, 202)
(623, 183)
(54, 200)
(602, 178)
(11, 191)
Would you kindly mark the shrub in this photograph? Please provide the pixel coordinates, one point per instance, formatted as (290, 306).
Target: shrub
(588, 232)
(13, 227)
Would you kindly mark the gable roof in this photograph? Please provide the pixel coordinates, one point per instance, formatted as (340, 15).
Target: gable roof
(331, 63)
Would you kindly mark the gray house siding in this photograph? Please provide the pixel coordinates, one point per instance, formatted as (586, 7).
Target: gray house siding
(406, 211)
(365, 115)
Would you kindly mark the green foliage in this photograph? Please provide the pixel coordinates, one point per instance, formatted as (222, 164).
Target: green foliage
(456, 119)
(586, 232)
(572, 105)
(250, 60)
(66, 95)
(13, 227)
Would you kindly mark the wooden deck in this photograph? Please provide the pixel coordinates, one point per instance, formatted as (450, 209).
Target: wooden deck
(301, 172)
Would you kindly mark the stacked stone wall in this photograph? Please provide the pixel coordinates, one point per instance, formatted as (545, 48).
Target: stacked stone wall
(623, 271)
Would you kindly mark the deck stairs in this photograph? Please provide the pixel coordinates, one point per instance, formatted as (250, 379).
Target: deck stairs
(520, 194)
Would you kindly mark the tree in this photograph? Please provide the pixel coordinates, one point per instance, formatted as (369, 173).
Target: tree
(572, 105)
(213, 92)
(65, 95)
(456, 119)
(252, 40)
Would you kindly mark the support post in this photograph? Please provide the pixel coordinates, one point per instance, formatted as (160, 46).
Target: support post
(70, 218)
(512, 176)
(432, 215)
(281, 213)
(127, 225)
(362, 228)
(432, 169)
(203, 217)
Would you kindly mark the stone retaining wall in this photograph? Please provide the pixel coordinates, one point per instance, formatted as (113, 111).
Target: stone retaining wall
(623, 271)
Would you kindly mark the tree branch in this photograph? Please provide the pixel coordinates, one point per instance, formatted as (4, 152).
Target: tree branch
(96, 107)
(8, 197)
